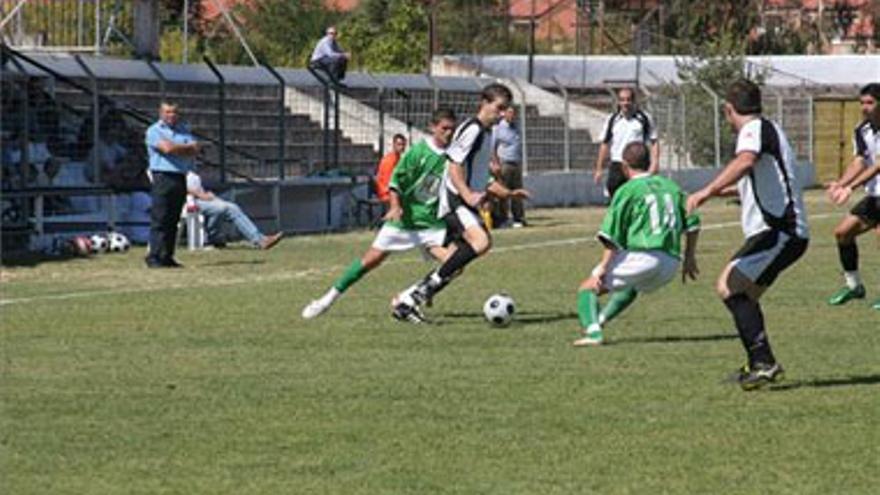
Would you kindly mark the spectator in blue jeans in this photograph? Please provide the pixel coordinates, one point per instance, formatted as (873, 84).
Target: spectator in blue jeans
(217, 210)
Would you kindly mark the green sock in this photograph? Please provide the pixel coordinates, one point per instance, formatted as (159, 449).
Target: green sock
(617, 303)
(352, 274)
(588, 308)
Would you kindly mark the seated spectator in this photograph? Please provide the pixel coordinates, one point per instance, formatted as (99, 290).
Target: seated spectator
(329, 58)
(216, 210)
(122, 165)
(386, 167)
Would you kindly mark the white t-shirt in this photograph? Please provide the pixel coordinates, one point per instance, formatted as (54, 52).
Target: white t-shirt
(770, 192)
(866, 144)
(621, 130)
(470, 148)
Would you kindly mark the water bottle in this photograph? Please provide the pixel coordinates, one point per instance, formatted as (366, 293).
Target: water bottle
(195, 229)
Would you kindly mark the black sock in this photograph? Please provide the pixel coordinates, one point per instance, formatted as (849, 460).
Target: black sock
(463, 255)
(849, 256)
(749, 322)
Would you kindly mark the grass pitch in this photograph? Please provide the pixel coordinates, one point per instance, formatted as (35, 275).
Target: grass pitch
(119, 379)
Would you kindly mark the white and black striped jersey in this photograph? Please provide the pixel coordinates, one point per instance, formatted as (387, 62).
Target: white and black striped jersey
(621, 130)
(866, 144)
(770, 192)
(470, 148)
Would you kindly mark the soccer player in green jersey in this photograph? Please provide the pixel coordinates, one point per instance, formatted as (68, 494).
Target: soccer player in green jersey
(641, 238)
(411, 220)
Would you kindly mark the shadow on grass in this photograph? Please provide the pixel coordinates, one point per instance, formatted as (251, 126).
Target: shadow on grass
(675, 339)
(233, 262)
(828, 382)
(521, 318)
(30, 260)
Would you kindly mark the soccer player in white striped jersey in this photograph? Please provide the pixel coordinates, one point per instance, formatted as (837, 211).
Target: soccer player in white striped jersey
(773, 220)
(865, 215)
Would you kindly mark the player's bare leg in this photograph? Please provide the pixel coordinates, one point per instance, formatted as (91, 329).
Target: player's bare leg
(846, 233)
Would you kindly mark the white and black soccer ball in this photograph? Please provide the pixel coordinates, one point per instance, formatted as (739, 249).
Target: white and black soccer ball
(118, 242)
(499, 309)
(100, 243)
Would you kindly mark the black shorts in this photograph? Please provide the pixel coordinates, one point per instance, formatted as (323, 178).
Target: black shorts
(459, 219)
(868, 210)
(615, 178)
(765, 255)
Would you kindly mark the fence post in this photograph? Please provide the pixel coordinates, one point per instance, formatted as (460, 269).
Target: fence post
(716, 121)
(810, 130)
(380, 95)
(221, 89)
(159, 75)
(566, 132)
(523, 127)
(282, 117)
(96, 116)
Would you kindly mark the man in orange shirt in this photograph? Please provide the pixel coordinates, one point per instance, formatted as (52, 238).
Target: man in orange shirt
(386, 167)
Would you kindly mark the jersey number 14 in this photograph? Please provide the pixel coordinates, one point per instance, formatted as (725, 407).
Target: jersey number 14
(661, 216)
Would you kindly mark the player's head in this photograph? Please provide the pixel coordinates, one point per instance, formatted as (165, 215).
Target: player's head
(626, 100)
(494, 99)
(168, 112)
(744, 98)
(869, 98)
(442, 126)
(636, 157)
(510, 114)
(331, 31)
(398, 143)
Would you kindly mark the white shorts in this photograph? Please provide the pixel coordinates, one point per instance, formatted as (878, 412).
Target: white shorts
(392, 238)
(643, 271)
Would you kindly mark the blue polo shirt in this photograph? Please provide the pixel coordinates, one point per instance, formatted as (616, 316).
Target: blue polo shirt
(161, 162)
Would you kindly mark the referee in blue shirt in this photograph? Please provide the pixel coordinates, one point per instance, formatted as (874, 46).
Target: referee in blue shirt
(172, 150)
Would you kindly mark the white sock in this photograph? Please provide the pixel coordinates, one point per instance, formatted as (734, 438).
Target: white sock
(330, 296)
(852, 279)
(593, 328)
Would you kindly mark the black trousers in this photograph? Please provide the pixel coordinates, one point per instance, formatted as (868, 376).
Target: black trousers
(168, 194)
(335, 67)
(615, 178)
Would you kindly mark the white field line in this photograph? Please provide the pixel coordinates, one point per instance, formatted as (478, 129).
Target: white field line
(300, 274)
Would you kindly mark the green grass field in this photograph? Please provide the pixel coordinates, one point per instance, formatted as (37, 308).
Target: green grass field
(119, 379)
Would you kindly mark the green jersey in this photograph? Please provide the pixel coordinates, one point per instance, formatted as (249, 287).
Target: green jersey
(417, 179)
(648, 213)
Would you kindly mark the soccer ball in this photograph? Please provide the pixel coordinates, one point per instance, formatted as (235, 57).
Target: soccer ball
(118, 242)
(100, 243)
(499, 309)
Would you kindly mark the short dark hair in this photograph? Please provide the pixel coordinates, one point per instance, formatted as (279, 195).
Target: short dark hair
(442, 114)
(745, 96)
(635, 155)
(871, 89)
(398, 137)
(494, 91)
(632, 92)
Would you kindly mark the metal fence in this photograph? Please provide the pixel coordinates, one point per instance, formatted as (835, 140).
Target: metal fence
(95, 26)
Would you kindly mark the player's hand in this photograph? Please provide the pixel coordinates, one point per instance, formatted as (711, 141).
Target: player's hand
(597, 176)
(520, 194)
(689, 269)
(473, 198)
(696, 199)
(831, 189)
(393, 214)
(841, 195)
(495, 168)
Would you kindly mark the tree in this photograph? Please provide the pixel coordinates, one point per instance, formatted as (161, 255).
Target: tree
(388, 35)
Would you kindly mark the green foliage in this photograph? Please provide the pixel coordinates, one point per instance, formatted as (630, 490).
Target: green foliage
(387, 36)
(707, 29)
(117, 379)
(700, 78)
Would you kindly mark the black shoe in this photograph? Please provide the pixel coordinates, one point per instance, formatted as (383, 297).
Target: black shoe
(153, 263)
(755, 377)
(171, 263)
(406, 313)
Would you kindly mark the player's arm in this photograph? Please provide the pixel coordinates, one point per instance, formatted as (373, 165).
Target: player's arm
(600, 162)
(654, 168)
(689, 268)
(500, 191)
(842, 193)
(395, 208)
(734, 170)
(457, 178)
